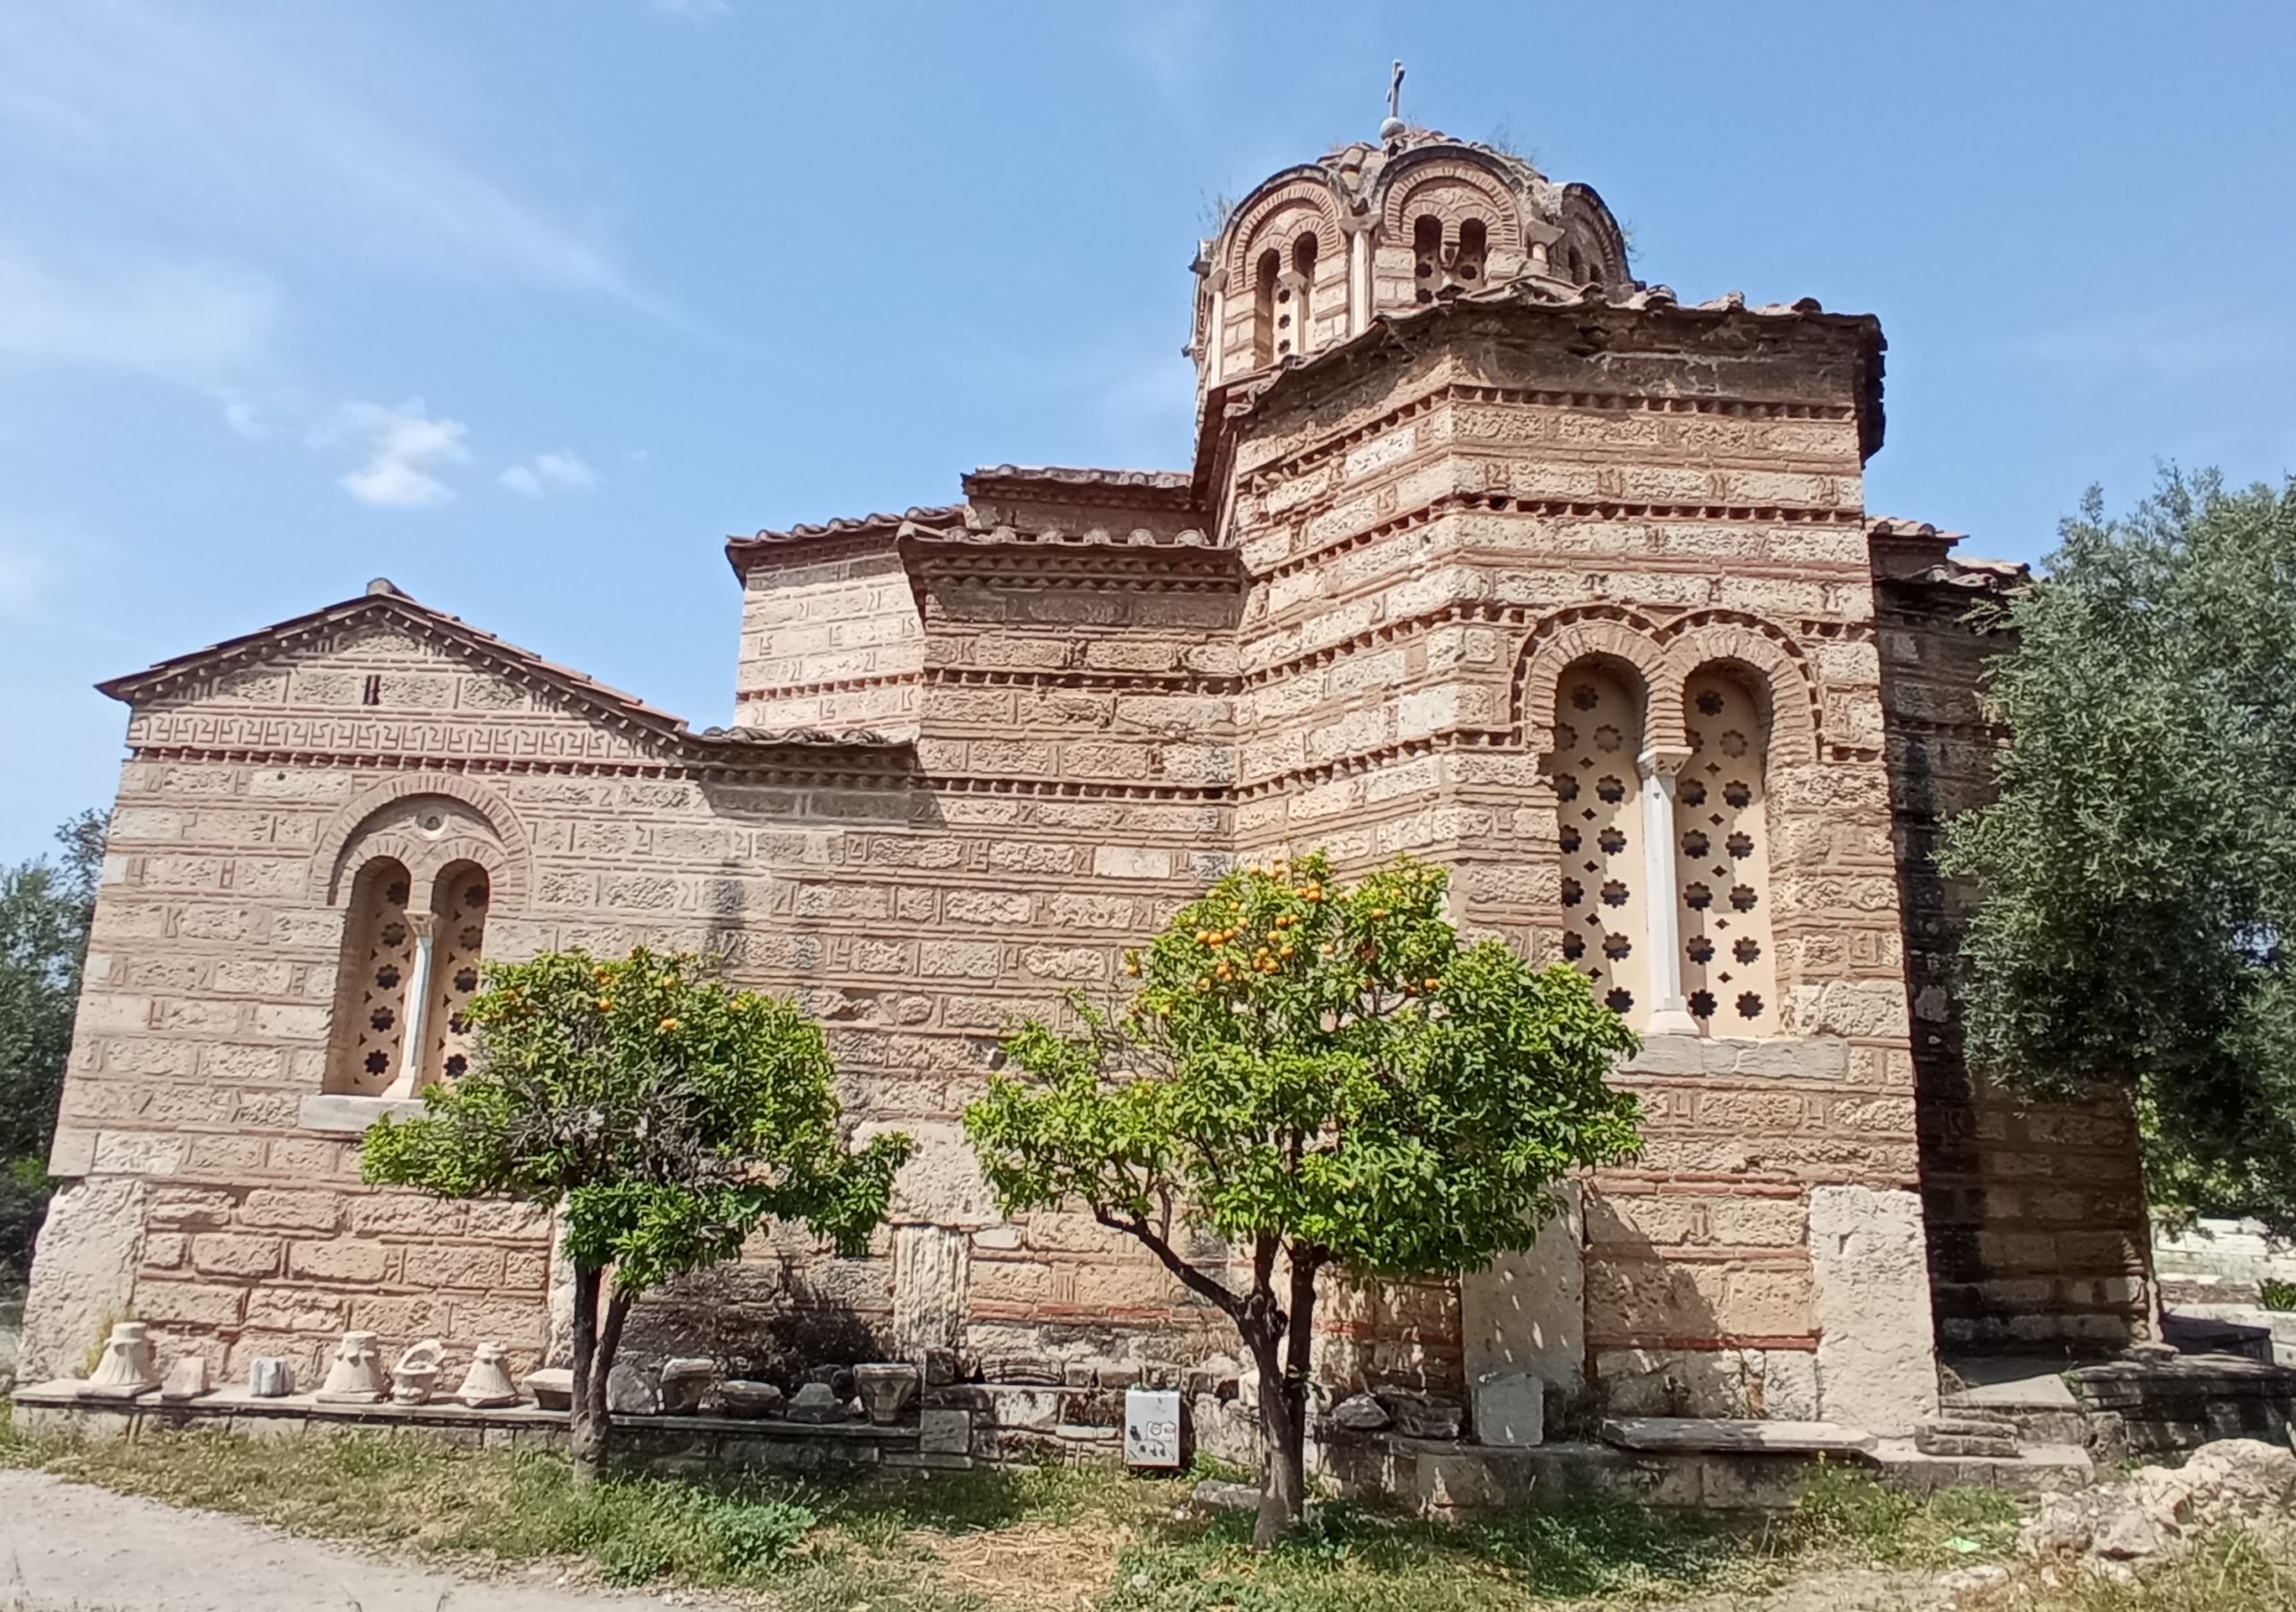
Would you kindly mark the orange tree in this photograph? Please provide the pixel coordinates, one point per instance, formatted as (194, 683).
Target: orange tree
(1321, 1076)
(665, 1114)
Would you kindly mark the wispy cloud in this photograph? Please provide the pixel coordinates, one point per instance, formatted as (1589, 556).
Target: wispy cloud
(195, 323)
(405, 448)
(549, 473)
(164, 107)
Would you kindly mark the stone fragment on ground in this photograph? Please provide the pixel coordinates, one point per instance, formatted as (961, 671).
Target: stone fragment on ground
(1217, 1494)
(1420, 1415)
(66, 1545)
(2158, 1511)
(1730, 1434)
(1359, 1413)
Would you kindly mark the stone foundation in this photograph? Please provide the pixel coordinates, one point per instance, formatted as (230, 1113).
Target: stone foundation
(965, 1430)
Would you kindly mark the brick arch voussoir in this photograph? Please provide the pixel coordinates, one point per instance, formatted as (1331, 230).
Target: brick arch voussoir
(1796, 696)
(1455, 189)
(508, 876)
(1609, 632)
(1247, 238)
(442, 855)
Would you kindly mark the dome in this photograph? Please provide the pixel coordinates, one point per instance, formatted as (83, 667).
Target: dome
(1316, 252)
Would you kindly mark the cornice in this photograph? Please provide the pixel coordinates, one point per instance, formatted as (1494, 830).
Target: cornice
(1499, 503)
(1619, 402)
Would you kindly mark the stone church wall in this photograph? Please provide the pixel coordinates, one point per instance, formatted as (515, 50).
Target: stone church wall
(2038, 1233)
(1431, 544)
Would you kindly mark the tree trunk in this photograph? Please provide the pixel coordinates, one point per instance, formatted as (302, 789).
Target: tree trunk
(1283, 1493)
(1282, 1438)
(585, 1430)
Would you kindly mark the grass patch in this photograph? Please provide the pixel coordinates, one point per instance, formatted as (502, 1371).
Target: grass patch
(1050, 1538)
(1845, 1513)
(1351, 1558)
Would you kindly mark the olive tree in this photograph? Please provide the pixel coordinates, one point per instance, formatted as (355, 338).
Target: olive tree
(1322, 1078)
(45, 912)
(2137, 872)
(664, 1114)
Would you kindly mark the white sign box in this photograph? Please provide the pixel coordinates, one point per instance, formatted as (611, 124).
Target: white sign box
(1152, 1427)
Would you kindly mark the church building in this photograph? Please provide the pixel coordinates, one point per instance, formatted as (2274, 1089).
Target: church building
(1488, 551)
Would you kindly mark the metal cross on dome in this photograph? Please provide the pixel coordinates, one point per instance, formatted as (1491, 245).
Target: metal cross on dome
(1395, 92)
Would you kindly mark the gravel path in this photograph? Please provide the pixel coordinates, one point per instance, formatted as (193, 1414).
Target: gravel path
(70, 1547)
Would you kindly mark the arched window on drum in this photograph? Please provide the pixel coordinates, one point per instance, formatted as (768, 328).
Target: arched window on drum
(1598, 824)
(1267, 276)
(1722, 857)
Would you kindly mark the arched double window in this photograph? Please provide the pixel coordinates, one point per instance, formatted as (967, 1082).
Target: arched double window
(1282, 297)
(1665, 851)
(408, 968)
(1462, 264)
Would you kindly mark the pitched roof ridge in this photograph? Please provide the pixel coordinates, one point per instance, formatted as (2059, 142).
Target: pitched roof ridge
(844, 526)
(388, 602)
(1086, 475)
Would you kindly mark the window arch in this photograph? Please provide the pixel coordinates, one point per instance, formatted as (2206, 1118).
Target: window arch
(458, 902)
(1264, 275)
(1722, 858)
(1475, 246)
(376, 972)
(1292, 310)
(1597, 737)
(1427, 256)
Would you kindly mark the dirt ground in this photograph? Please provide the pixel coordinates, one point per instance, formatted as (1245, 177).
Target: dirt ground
(1864, 1590)
(70, 1547)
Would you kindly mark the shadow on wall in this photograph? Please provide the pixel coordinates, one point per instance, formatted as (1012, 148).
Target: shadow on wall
(767, 1318)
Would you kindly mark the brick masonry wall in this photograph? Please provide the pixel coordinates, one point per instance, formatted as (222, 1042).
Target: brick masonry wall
(2038, 1233)
(831, 641)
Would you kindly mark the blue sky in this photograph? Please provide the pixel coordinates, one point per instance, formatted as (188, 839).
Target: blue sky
(527, 304)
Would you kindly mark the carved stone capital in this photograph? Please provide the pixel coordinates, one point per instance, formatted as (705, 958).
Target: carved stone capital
(1662, 761)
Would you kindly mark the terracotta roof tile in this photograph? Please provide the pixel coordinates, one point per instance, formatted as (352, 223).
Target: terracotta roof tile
(1070, 475)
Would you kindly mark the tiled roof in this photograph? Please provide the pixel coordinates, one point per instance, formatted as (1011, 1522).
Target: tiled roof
(842, 526)
(1948, 570)
(979, 532)
(1068, 475)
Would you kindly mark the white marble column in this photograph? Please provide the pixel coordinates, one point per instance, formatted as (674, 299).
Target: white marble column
(1359, 277)
(1662, 902)
(1216, 333)
(418, 1010)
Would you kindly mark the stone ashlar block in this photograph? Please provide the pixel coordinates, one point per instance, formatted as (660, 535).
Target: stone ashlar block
(226, 1254)
(344, 1260)
(291, 1209)
(189, 1303)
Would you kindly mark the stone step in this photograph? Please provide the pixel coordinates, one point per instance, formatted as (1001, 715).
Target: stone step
(1731, 1435)
(1964, 1434)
